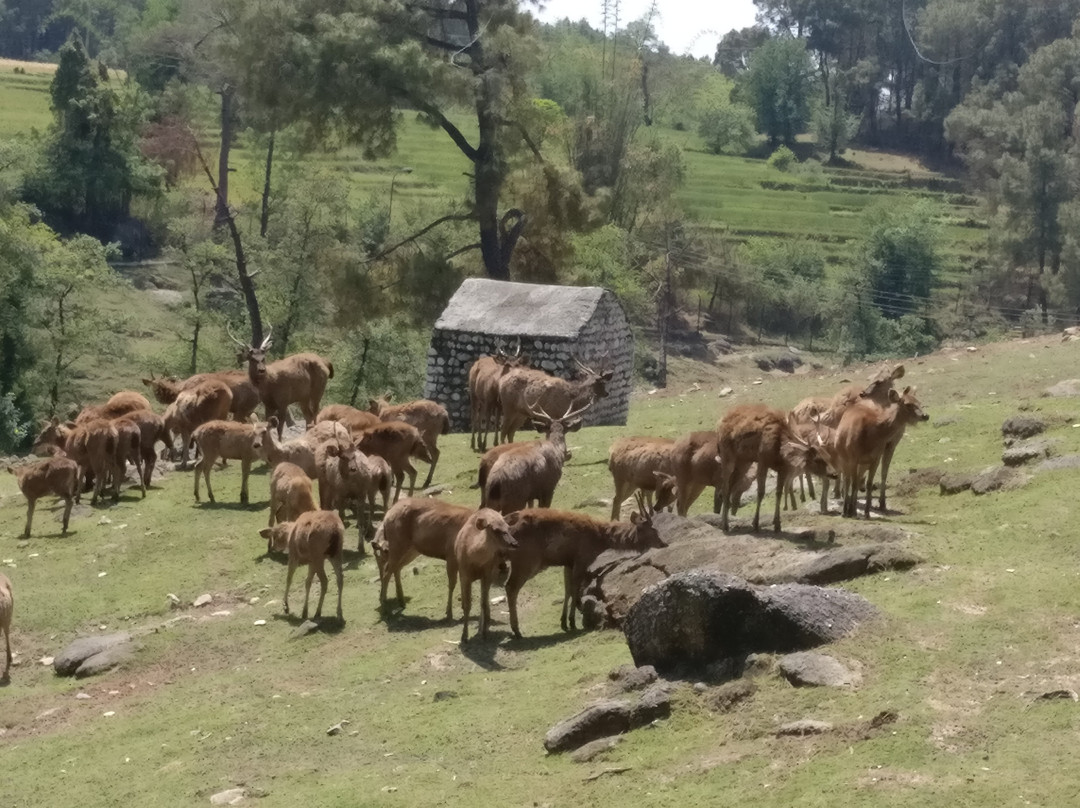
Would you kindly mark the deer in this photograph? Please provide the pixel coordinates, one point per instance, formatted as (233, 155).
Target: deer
(351, 418)
(485, 407)
(429, 417)
(119, 404)
(311, 539)
(7, 606)
(755, 433)
(519, 387)
(479, 548)
(863, 436)
(58, 476)
(396, 442)
(228, 440)
(552, 538)
(635, 463)
(207, 401)
(245, 398)
(296, 379)
(528, 473)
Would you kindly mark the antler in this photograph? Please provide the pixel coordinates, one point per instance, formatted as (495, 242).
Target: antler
(568, 414)
(228, 330)
(583, 367)
(266, 343)
(536, 412)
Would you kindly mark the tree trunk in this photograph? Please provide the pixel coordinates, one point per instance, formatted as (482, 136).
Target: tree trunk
(221, 208)
(264, 218)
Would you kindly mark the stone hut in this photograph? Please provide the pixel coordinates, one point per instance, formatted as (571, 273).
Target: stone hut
(555, 325)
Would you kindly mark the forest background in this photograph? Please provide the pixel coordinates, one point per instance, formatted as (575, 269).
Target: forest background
(857, 177)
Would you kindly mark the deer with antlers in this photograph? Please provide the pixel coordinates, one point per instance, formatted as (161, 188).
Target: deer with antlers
(485, 407)
(296, 379)
(527, 473)
(548, 392)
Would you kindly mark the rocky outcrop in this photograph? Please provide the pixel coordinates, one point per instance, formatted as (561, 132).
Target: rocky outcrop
(608, 717)
(695, 618)
(618, 578)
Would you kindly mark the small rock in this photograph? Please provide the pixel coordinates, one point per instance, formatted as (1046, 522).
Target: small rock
(809, 669)
(628, 677)
(595, 748)
(104, 521)
(336, 729)
(305, 628)
(725, 392)
(1054, 695)
(253, 601)
(109, 714)
(495, 601)
(46, 660)
(807, 726)
(174, 601)
(232, 796)
(700, 687)
(222, 613)
(444, 695)
(259, 623)
(202, 600)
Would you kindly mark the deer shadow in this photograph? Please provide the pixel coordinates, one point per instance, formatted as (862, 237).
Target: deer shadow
(326, 625)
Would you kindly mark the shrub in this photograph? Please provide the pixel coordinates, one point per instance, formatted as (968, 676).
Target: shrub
(782, 159)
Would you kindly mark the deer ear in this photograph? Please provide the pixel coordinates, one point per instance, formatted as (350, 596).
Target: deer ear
(893, 395)
(266, 532)
(481, 523)
(635, 518)
(898, 372)
(272, 422)
(333, 450)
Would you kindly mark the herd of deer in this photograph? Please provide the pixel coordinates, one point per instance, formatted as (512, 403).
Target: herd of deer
(353, 456)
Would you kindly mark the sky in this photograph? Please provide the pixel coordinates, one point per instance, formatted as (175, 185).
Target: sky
(683, 25)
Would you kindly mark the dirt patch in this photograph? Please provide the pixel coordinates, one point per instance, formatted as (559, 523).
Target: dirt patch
(917, 479)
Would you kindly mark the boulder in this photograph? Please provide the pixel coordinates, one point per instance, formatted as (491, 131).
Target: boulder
(610, 717)
(695, 618)
(1022, 426)
(617, 578)
(809, 669)
(1069, 461)
(67, 661)
(105, 660)
(1026, 451)
(1064, 389)
(955, 483)
(627, 677)
(996, 478)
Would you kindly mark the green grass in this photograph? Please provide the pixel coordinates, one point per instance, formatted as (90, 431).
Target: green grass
(25, 102)
(968, 638)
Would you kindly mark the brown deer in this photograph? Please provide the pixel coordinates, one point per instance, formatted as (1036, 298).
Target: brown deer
(528, 473)
(58, 476)
(571, 540)
(634, 463)
(245, 398)
(314, 537)
(479, 548)
(296, 379)
(755, 433)
(521, 389)
(864, 434)
(429, 417)
(485, 408)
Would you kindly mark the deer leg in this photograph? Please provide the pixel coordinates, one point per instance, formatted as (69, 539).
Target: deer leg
(466, 605)
(485, 604)
(886, 461)
(783, 483)
(321, 572)
(288, 585)
(433, 451)
(68, 502)
(566, 606)
(245, 469)
(411, 471)
(870, 485)
(339, 578)
(30, 504)
(762, 473)
(512, 588)
(451, 581)
(307, 588)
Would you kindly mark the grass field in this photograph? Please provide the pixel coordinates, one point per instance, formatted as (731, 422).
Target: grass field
(212, 701)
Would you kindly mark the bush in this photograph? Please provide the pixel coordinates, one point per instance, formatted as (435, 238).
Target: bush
(782, 159)
(16, 425)
(727, 128)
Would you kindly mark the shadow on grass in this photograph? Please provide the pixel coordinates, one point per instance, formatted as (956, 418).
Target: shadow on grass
(327, 624)
(536, 642)
(482, 652)
(232, 506)
(398, 622)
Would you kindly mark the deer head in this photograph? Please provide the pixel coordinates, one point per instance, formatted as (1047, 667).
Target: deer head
(256, 357)
(599, 379)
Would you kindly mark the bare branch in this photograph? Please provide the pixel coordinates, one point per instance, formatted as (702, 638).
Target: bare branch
(462, 250)
(439, 13)
(455, 134)
(452, 217)
(524, 136)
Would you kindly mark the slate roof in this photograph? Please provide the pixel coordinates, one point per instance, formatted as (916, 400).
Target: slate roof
(481, 305)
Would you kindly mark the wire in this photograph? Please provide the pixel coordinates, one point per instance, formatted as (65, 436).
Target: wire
(911, 39)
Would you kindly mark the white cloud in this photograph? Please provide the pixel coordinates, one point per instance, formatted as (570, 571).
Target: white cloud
(682, 25)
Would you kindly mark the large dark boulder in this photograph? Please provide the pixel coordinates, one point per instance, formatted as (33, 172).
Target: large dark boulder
(67, 662)
(694, 618)
(1021, 426)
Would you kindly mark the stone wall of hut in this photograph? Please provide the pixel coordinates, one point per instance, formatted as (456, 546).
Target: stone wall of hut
(605, 342)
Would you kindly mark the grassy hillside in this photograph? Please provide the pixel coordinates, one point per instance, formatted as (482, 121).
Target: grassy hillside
(212, 701)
